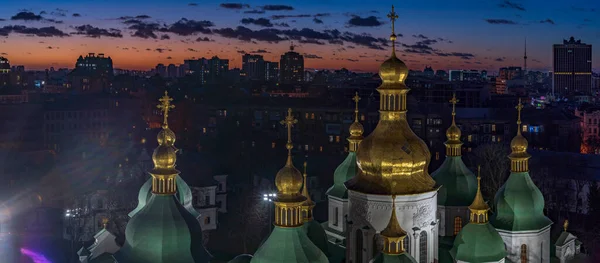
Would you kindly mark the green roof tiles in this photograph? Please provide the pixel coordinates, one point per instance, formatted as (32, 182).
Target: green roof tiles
(459, 185)
(290, 245)
(477, 243)
(344, 172)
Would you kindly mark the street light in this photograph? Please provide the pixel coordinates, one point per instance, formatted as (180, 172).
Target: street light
(269, 198)
(72, 216)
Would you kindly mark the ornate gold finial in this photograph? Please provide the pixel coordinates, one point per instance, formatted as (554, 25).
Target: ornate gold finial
(519, 156)
(479, 208)
(393, 16)
(393, 234)
(566, 225)
(289, 121)
(356, 99)
(454, 101)
(165, 106)
(104, 222)
(308, 204)
(519, 107)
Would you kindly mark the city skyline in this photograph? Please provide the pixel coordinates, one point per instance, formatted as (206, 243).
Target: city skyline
(139, 35)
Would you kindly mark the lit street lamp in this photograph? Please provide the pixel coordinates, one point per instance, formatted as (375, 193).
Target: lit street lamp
(269, 198)
(72, 218)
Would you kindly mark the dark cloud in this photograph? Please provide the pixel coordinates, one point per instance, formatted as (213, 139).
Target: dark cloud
(246, 34)
(27, 16)
(427, 42)
(352, 60)
(499, 59)
(512, 5)
(192, 50)
(142, 17)
(277, 8)
(352, 47)
(2, 19)
(312, 56)
(547, 21)
(501, 22)
(259, 22)
(311, 41)
(234, 5)
(32, 31)
(51, 47)
(282, 25)
(59, 12)
(134, 17)
(259, 51)
(456, 54)
(53, 21)
(192, 4)
(76, 15)
(587, 20)
(420, 36)
(317, 21)
(370, 21)
(4, 54)
(91, 31)
(169, 58)
(165, 37)
(276, 17)
(144, 30)
(241, 52)
(185, 27)
(203, 39)
(321, 14)
(254, 12)
(162, 50)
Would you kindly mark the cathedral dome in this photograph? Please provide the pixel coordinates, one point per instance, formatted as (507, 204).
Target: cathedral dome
(519, 144)
(164, 157)
(393, 70)
(453, 133)
(458, 183)
(289, 180)
(166, 137)
(356, 129)
(478, 243)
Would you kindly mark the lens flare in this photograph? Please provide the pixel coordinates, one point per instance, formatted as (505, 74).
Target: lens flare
(36, 257)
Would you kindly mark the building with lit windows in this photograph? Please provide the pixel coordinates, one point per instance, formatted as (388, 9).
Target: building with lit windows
(271, 71)
(4, 72)
(253, 67)
(572, 68)
(291, 69)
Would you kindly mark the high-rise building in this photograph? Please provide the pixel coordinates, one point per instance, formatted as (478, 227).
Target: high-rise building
(95, 65)
(4, 72)
(291, 67)
(161, 70)
(464, 75)
(172, 71)
(271, 70)
(572, 68)
(218, 68)
(510, 73)
(253, 67)
(92, 73)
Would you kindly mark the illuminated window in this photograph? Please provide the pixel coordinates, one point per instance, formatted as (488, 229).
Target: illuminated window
(116, 104)
(493, 127)
(437, 156)
(470, 138)
(253, 143)
(312, 116)
(207, 220)
(523, 253)
(457, 225)
(493, 138)
(337, 138)
(524, 128)
(306, 147)
(330, 138)
(362, 117)
(203, 130)
(320, 148)
(306, 115)
(273, 145)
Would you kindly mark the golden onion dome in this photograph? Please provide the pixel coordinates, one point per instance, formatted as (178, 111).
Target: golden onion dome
(453, 133)
(166, 137)
(356, 129)
(164, 157)
(519, 144)
(393, 70)
(288, 180)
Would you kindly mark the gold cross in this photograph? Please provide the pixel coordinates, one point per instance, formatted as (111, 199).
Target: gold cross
(393, 16)
(454, 101)
(519, 108)
(356, 98)
(165, 106)
(289, 121)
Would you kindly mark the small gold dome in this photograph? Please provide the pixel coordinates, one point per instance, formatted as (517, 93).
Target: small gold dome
(519, 144)
(356, 129)
(166, 137)
(453, 133)
(393, 70)
(288, 180)
(164, 157)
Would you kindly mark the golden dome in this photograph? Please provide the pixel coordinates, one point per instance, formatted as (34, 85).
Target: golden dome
(288, 180)
(166, 137)
(393, 70)
(453, 133)
(356, 129)
(519, 144)
(164, 157)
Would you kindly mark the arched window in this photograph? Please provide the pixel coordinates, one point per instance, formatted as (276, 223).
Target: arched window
(407, 244)
(376, 245)
(207, 220)
(523, 253)
(457, 225)
(423, 247)
(359, 246)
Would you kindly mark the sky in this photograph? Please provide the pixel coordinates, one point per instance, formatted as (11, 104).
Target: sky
(458, 34)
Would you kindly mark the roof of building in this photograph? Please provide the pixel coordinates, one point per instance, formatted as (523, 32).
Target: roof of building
(344, 172)
(288, 244)
(458, 184)
(317, 235)
(478, 243)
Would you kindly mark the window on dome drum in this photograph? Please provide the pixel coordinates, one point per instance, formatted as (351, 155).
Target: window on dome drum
(376, 244)
(524, 253)
(336, 214)
(207, 220)
(359, 247)
(457, 225)
(423, 247)
(407, 244)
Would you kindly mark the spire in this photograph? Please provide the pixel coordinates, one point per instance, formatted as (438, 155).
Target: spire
(356, 129)
(308, 205)
(164, 174)
(288, 181)
(393, 235)
(519, 156)
(566, 225)
(453, 144)
(479, 208)
(393, 16)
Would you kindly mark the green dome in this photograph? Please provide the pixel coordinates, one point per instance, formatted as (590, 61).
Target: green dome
(399, 258)
(243, 258)
(478, 243)
(289, 244)
(163, 232)
(184, 195)
(317, 235)
(459, 185)
(519, 205)
(344, 172)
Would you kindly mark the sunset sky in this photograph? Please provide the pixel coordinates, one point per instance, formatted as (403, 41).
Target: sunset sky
(459, 34)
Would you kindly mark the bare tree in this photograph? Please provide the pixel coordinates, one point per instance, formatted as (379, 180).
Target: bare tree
(494, 167)
(248, 219)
